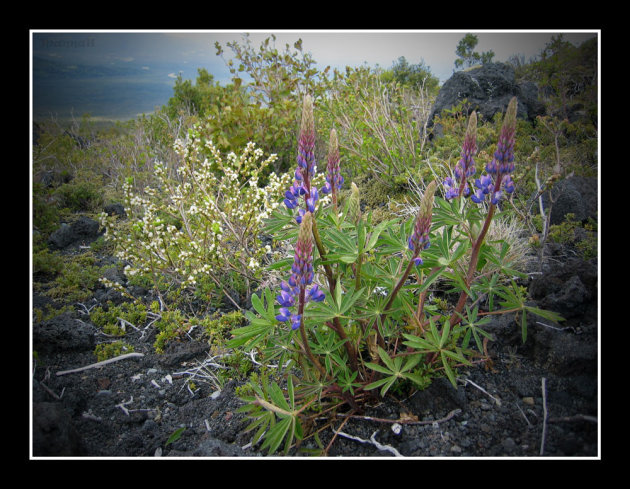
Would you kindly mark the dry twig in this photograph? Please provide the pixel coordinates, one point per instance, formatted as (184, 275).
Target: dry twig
(372, 441)
(544, 427)
(100, 364)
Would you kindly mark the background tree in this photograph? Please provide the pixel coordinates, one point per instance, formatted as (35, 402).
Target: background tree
(467, 56)
(414, 76)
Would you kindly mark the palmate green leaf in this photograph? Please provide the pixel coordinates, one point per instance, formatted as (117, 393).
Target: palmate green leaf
(338, 294)
(276, 395)
(545, 314)
(276, 434)
(411, 362)
(251, 335)
(280, 219)
(447, 369)
(348, 258)
(378, 368)
(342, 243)
(376, 233)
(431, 278)
(285, 263)
(446, 213)
(349, 299)
(258, 305)
(418, 343)
(290, 393)
(446, 330)
(262, 422)
(387, 382)
(393, 365)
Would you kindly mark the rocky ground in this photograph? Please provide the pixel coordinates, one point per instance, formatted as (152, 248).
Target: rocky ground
(537, 399)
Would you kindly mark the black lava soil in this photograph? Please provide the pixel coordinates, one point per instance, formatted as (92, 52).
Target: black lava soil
(537, 399)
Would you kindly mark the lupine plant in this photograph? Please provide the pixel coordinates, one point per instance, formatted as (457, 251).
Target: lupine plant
(354, 319)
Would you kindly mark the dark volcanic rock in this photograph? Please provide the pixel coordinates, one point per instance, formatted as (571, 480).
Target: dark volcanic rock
(488, 89)
(82, 231)
(62, 333)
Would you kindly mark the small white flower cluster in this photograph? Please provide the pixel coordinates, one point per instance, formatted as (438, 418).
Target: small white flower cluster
(203, 218)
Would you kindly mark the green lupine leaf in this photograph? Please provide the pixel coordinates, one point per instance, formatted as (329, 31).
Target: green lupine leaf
(458, 357)
(459, 251)
(342, 241)
(416, 378)
(387, 360)
(275, 435)
(360, 236)
(434, 332)
(377, 383)
(258, 306)
(338, 295)
(348, 258)
(290, 393)
(276, 395)
(446, 330)
(376, 233)
(418, 343)
(255, 333)
(378, 368)
(447, 369)
(545, 314)
(280, 264)
(348, 300)
(412, 361)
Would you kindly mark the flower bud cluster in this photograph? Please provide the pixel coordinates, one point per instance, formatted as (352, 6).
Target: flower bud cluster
(334, 180)
(306, 166)
(419, 239)
(465, 167)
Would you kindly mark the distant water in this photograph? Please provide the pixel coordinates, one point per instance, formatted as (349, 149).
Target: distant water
(115, 98)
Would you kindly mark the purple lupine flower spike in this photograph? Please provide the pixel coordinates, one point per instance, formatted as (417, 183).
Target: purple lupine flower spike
(503, 161)
(419, 239)
(465, 167)
(294, 292)
(306, 165)
(498, 179)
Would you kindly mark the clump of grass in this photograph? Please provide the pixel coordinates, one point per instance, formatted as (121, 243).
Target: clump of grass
(105, 351)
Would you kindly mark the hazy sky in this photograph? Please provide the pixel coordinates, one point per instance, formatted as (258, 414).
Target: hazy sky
(189, 50)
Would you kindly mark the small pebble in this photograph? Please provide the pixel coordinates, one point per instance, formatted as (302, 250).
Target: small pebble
(509, 444)
(528, 400)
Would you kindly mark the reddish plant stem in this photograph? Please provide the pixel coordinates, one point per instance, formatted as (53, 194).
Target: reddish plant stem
(392, 296)
(474, 258)
(307, 348)
(332, 284)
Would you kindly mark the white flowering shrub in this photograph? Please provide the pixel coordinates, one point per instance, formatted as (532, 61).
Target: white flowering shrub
(200, 223)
